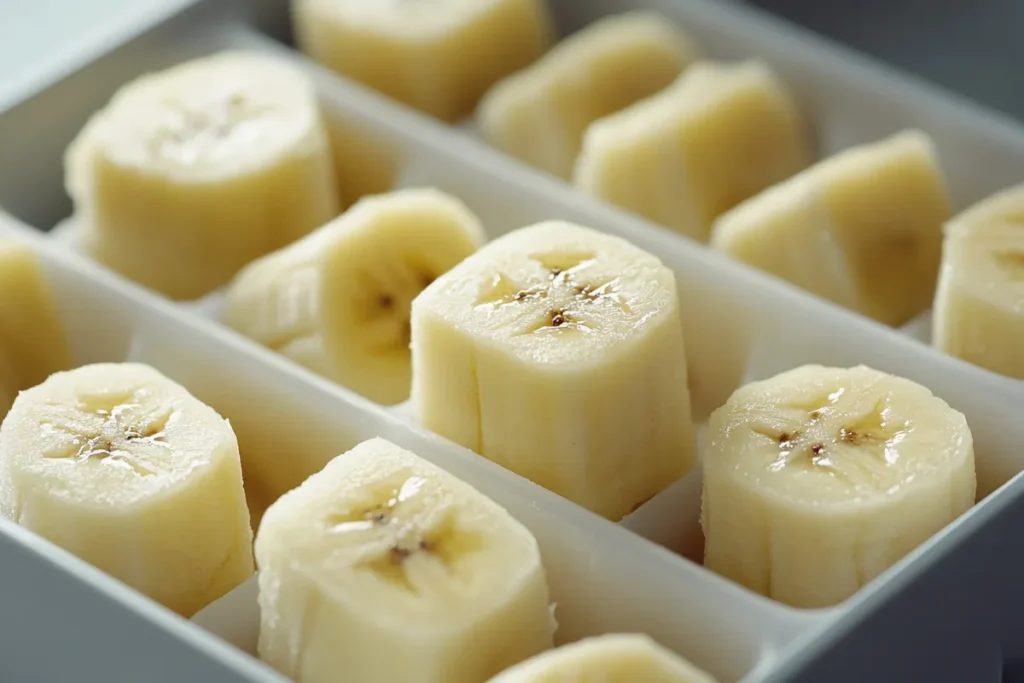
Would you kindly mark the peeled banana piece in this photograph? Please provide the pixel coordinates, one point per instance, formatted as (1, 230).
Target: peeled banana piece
(439, 57)
(977, 314)
(190, 173)
(557, 352)
(382, 567)
(122, 467)
(613, 658)
(862, 229)
(33, 341)
(539, 114)
(819, 479)
(719, 134)
(338, 301)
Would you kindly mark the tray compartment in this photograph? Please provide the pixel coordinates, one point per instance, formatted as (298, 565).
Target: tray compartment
(741, 325)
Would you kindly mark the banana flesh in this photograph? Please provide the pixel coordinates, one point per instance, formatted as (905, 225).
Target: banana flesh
(383, 567)
(612, 658)
(439, 57)
(33, 341)
(819, 479)
(977, 312)
(539, 114)
(862, 229)
(557, 352)
(190, 173)
(718, 135)
(125, 469)
(338, 301)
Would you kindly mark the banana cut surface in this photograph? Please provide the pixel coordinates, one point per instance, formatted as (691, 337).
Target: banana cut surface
(190, 173)
(557, 352)
(819, 479)
(613, 658)
(382, 567)
(338, 301)
(979, 302)
(122, 467)
(721, 133)
(862, 229)
(539, 114)
(439, 57)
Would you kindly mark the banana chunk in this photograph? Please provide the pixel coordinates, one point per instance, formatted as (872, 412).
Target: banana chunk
(539, 114)
(190, 173)
(613, 658)
(557, 352)
(33, 341)
(719, 134)
(819, 479)
(438, 57)
(862, 229)
(977, 313)
(124, 468)
(338, 301)
(383, 567)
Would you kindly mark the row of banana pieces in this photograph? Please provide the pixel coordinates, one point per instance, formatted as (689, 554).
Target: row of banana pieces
(190, 174)
(557, 352)
(381, 567)
(630, 111)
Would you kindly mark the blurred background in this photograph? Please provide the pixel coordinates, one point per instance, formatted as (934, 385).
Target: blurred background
(969, 46)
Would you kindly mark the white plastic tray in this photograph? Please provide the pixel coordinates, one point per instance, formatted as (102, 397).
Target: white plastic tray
(935, 616)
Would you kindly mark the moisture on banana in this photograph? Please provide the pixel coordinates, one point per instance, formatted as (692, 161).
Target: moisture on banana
(819, 479)
(383, 567)
(557, 352)
(122, 467)
(190, 173)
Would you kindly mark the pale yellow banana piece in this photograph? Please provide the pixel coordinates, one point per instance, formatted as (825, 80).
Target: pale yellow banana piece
(539, 114)
(338, 301)
(819, 479)
(862, 229)
(719, 134)
(439, 56)
(613, 658)
(190, 173)
(977, 314)
(383, 568)
(124, 468)
(33, 341)
(557, 352)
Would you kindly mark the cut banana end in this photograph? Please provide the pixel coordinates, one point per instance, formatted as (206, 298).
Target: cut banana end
(383, 567)
(33, 341)
(125, 469)
(977, 313)
(540, 113)
(557, 352)
(338, 301)
(819, 479)
(862, 229)
(190, 173)
(438, 57)
(718, 135)
(614, 658)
